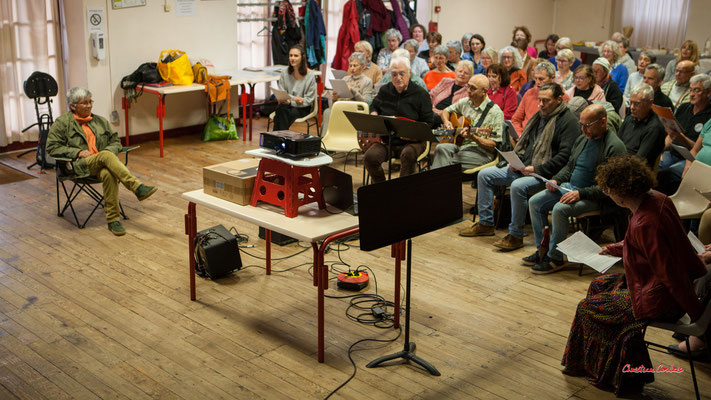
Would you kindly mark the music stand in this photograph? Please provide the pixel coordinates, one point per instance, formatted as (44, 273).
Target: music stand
(397, 210)
(390, 127)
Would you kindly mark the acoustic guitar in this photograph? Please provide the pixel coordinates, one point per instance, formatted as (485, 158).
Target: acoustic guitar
(462, 128)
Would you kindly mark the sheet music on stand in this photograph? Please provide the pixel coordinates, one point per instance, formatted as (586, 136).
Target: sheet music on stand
(581, 249)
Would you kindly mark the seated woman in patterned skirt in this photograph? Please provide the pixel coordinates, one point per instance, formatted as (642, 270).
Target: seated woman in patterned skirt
(607, 336)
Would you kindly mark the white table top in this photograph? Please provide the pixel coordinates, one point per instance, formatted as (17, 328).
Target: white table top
(195, 87)
(317, 161)
(311, 225)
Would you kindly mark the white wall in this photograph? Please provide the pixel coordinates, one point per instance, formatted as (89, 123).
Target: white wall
(138, 34)
(697, 26)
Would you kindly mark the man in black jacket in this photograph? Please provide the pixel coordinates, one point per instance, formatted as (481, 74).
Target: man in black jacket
(544, 148)
(398, 98)
(653, 76)
(641, 131)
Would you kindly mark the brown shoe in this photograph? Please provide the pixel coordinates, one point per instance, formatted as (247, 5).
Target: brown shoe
(477, 230)
(509, 243)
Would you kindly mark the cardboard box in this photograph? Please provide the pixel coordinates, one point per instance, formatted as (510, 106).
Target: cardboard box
(232, 181)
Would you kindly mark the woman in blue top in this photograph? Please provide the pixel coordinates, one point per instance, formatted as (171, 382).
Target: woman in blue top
(611, 51)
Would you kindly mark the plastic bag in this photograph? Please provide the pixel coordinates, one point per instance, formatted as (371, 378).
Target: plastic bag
(174, 67)
(219, 128)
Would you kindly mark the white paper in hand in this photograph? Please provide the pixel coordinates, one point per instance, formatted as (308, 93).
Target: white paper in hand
(341, 88)
(281, 95)
(696, 243)
(684, 152)
(512, 159)
(339, 74)
(582, 249)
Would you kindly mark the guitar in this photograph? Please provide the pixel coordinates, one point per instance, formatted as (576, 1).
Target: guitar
(462, 128)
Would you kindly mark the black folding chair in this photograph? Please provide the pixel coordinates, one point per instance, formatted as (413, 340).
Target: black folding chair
(40, 87)
(81, 185)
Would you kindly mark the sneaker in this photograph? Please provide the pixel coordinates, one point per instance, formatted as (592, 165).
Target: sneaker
(116, 228)
(509, 243)
(477, 230)
(531, 260)
(548, 266)
(143, 192)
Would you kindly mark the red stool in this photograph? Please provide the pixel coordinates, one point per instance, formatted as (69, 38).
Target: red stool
(287, 186)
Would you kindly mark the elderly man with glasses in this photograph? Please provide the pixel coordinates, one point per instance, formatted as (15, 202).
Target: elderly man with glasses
(678, 89)
(641, 131)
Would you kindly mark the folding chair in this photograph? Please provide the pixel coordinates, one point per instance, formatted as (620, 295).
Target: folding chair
(341, 136)
(81, 185)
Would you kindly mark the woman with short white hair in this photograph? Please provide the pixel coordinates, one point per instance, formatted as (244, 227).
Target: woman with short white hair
(371, 70)
(488, 56)
(510, 58)
(440, 70)
(361, 86)
(610, 50)
(393, 37)
(449, 90)
(418, 65)
(564, 76)
(466, 39)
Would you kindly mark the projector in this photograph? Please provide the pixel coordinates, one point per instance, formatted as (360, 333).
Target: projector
(290, 143)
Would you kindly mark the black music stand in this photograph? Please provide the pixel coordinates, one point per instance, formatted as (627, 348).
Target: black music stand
(390, 127)
(397, 210)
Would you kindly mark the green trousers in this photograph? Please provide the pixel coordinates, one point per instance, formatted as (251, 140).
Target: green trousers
(106, 167)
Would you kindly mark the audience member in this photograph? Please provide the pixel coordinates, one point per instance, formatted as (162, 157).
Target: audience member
(641, 131)
(393, 37)
(702, 148)
(550, 50)
(451, 90)
(653, 75)
(434, 39)
(300, 83)
(544, 148)
(572, 191)
(625, 59)
(418, 65)
(88, 140)
(645, 58)
(371, 70)
(520, 40)
(440, 70)
(419, 33)
(400, 99)
(476, 46)
(488, 56)
(511, 60)
(691, 116)
(500, 91)
(413, 78)
(466, 49)
(529, 75)
(564, 75)
(479, 145)
(601, 72)
(528, 106)
(455, 53)
(660, 266)
(689, 52)
(565, 43)
(610, 50)
(678, 89)
(585, 85)
(360, 85)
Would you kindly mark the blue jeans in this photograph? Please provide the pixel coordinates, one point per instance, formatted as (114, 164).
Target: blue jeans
(545, 201)
(669, 175)
(521, 188)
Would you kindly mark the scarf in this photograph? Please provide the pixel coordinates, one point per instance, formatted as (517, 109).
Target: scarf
(90, 137)
(542, 151)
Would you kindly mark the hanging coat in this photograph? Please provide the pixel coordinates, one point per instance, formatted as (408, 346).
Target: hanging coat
(409, 13)
(400, 23)
(379, 16)
(348, 35)
(285, 32)
(315, 35)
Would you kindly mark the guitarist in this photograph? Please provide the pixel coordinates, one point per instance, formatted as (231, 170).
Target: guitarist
(398, 98)
(479, 142)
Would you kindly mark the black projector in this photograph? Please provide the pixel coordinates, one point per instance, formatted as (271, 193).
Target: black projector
(290, 143)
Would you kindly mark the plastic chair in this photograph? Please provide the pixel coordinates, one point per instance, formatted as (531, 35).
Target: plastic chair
(40, 87)
(341, 136)
(688, 202)
(81, 185)
(313, 115)
(422, 158)
(684, 326)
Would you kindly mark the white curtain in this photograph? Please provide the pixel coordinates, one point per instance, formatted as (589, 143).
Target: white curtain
(333, 17)
(656, 22)
(253, 41)
(29, 41)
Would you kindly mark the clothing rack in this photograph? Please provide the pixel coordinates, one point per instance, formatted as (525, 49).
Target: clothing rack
(273, 3)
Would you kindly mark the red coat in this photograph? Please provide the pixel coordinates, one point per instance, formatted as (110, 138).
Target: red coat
(348, 36)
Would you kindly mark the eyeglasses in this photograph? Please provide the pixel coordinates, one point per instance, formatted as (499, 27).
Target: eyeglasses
(684, 71)
(85, 103)
(580, 77)
(506, 57)
(472, 88)
(398, 74)
(697, 90)
(588, 125)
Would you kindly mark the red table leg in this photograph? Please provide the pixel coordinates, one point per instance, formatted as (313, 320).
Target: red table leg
(125, 105)
(319, 89)
(160, 112)
(191, 231)
(243, 99)
(316, 271)
(268, 239)
(251, 108)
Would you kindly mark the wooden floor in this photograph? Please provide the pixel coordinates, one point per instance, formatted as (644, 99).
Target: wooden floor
(84, 314)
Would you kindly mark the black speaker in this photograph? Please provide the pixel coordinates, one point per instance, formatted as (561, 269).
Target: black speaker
(277, 238)
(216, 253)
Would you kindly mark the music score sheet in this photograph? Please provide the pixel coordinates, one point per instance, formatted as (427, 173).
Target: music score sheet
(581, 249)
(517, 164)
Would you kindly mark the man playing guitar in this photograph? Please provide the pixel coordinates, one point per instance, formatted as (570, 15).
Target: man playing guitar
(479, 142)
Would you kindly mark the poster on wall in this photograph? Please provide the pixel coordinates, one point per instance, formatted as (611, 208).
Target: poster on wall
(116, 4)
(185, 8)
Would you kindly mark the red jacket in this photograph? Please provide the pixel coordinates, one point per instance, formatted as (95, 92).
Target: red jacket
(660, 264)
(348, 36)
(506, 99)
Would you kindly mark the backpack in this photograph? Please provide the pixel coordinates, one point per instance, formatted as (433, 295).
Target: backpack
(145, 73)
(218, 88)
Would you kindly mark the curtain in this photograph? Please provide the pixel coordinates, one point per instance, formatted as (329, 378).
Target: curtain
(657, 23)
(333, 17)
(29, 41)
(253, 43)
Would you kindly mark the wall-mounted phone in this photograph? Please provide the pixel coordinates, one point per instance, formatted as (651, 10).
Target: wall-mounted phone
(98, 45)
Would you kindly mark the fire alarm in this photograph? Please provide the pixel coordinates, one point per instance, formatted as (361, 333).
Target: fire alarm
(437, 9)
